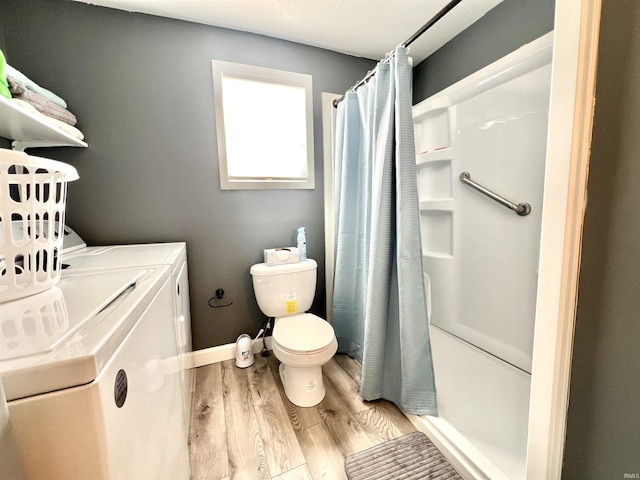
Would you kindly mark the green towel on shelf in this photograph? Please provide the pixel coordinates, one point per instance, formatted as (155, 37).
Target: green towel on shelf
(4, 86)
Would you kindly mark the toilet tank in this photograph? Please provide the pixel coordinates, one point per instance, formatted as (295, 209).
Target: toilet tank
(284, 289)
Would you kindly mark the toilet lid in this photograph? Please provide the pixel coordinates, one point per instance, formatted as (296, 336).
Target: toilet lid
(303, 333)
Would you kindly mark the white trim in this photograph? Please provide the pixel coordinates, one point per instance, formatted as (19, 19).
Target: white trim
(328, 147)
(528, 57)
(208, 356)
(220, 71)
(569, 141)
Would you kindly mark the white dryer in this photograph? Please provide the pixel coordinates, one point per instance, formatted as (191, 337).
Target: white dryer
(78, 257)
(92, 377)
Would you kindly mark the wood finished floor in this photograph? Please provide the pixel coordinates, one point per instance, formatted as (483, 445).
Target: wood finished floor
(244, 427)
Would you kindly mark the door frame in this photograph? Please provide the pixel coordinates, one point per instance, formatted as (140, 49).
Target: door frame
(575, 54)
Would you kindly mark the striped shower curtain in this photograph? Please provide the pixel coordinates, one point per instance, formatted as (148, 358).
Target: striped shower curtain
(379, 309)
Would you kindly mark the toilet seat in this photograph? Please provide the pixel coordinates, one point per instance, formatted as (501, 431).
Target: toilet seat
(303, 334)
(303, 343)
(305, 353)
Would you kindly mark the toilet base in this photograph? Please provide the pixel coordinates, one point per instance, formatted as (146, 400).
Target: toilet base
(304, 386)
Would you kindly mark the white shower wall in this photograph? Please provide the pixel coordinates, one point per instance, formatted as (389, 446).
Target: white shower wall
(480, 259)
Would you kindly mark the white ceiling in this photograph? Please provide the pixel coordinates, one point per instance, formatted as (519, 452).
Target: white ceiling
(364, 28)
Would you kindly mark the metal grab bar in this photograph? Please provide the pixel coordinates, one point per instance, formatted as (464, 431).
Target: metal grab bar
(521, 209)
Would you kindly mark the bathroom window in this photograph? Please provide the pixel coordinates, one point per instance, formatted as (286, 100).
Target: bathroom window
(264, 124)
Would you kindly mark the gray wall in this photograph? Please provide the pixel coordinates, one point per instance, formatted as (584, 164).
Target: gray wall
(603, 438)
(502, 30)
(141, 88)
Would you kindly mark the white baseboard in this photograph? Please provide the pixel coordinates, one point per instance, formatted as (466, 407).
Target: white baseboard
(207, 356)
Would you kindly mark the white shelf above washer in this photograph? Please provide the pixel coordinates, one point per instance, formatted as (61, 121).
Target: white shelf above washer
(28, 131)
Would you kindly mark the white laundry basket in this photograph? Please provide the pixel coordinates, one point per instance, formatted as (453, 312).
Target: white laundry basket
(33, 324)
(33, 194)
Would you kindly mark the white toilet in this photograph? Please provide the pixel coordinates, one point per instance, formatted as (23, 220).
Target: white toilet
(301, 341)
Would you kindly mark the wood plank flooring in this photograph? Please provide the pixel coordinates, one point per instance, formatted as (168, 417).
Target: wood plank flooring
(244, 427)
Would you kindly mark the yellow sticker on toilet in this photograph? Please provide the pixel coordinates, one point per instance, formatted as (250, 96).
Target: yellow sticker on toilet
(292, 306)
(292, 302)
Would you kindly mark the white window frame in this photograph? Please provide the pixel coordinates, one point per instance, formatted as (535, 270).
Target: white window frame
(221, 69)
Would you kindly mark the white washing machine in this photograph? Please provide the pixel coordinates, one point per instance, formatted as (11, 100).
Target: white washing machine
(76, 256)
(92, 377)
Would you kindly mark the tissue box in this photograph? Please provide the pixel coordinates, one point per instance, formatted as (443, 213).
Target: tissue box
(281, 256)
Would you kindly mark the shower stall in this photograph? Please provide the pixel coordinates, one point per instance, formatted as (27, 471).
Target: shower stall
(502, 167)
(480, 155)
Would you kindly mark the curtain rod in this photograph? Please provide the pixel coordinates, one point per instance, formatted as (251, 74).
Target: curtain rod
(446, 9)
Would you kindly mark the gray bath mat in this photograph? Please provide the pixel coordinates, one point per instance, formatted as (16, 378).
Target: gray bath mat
(411, 456)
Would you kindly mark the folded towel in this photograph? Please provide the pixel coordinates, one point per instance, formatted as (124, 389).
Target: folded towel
(20, 77)
(52, 121)
(4, 86)
(43, 105)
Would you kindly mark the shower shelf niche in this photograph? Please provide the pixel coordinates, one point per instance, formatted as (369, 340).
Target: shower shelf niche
(436, 198)
(436, 230)
(435, 176)
(432, 130)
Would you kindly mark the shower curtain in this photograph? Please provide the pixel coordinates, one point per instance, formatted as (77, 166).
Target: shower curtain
(379, 309)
